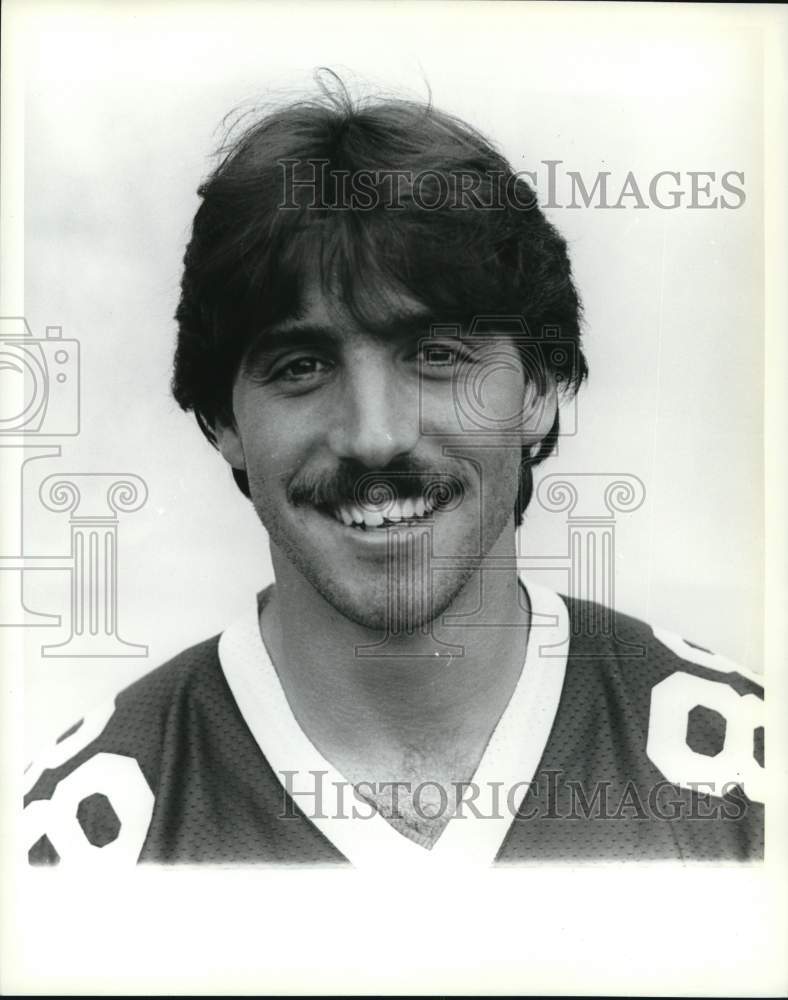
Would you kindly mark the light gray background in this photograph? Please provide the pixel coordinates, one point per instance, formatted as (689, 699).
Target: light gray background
(122, 114)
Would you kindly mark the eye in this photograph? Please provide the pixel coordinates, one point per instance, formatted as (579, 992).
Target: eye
(304, 369)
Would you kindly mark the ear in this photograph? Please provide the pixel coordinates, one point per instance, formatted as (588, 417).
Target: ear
(229, 443)
(540, 405)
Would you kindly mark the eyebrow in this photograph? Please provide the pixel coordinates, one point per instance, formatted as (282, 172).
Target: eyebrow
(299, 334)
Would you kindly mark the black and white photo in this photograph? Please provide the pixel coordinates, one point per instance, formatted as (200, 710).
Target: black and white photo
(388, 442)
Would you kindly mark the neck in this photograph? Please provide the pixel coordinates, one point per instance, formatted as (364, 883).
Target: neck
(377, 707)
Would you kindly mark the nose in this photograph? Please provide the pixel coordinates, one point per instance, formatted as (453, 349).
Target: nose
(376, 419)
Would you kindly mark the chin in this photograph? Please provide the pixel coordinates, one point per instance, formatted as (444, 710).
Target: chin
(404, 611)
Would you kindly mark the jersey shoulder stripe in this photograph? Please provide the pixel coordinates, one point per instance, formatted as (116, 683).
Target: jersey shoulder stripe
(640, 652)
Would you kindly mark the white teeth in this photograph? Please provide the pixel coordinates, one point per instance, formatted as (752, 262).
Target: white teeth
(393, 512)
(406, 510)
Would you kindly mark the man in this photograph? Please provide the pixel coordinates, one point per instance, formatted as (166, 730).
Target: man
(358, 273)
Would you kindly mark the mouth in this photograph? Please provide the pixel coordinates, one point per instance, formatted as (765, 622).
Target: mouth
(412, 512)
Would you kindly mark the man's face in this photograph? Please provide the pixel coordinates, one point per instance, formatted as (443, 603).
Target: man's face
(360, 460)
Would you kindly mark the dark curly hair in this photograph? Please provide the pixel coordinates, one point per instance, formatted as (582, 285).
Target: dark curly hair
(255, 240)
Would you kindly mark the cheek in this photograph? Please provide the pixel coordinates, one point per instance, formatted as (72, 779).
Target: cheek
(492, 474)
(273, 442)
(269, 498)
(269, 473)
(488, 399)
(502, 393)
(500, 471)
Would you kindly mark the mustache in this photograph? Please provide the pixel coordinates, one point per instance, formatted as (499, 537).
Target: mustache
(353, 484)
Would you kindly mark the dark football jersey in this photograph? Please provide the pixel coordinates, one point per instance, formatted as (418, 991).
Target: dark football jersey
(621, 742)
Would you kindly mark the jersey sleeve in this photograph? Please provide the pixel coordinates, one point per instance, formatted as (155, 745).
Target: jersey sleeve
(88, 797)
(656, 752)
(706, 721)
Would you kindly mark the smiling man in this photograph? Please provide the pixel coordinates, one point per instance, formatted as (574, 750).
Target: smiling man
(357, 273)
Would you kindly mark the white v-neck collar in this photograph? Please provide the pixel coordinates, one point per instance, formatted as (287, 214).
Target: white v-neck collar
(509, 761)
